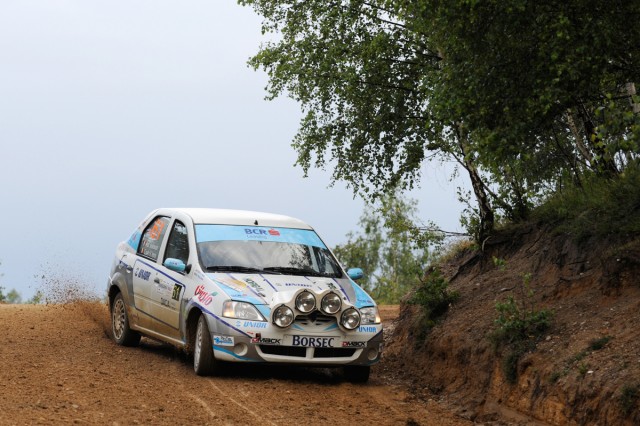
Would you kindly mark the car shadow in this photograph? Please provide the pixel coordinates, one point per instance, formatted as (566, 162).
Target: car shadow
(250, 371)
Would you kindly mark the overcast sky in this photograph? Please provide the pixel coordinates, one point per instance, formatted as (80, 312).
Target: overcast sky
(110, 109)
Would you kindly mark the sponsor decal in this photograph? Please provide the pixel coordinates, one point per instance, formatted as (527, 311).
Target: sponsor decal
(203, 296)
(367, 329)
(142, 274)
(233, 283)
(331, 286)
(254, 285)
(163, 288)
(223, 340)
(251, 232)
(354, 344)
(266, 341)
(175, 295)
(255, 324)
(134, 240)
(156, 230)
(297, 285)
(313, 342)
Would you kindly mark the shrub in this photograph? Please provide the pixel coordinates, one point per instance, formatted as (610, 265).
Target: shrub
(519, 326)
(434, 298)
(597, 344)
(629, 398)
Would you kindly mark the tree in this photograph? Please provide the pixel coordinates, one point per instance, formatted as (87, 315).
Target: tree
(523, 95)
(12, 296)
(390, 248)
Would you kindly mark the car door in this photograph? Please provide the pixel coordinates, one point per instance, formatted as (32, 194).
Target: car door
(145, 269)
(170, 280)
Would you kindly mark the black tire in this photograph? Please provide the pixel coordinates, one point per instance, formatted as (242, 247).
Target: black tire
(204, 363)
(120, 330)
(357, 373)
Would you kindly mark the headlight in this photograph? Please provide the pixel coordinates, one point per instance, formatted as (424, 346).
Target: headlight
(350, 319)
(305, 302)
(370, 315)
(331, 303)
(283, 316)
(242, 310)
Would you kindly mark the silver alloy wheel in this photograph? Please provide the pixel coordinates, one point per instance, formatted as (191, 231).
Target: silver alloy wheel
(198, 349)
(118, 318)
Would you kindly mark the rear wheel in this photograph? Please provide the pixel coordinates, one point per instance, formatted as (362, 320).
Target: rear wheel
(204, 363)
(357, 373)
(122, 334)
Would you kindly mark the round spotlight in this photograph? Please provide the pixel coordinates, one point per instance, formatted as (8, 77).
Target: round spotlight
(331, 303)
(350, 319)
(283, 316)
(305, 302)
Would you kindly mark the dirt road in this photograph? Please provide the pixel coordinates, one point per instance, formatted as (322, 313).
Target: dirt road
(58, 366)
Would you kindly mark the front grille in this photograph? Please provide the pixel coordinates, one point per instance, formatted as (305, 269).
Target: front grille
(314, 319)
(300, 352)
(334, 352)
(284, 350)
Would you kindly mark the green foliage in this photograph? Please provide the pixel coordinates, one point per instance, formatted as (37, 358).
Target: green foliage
(388, 85)
(597, 208)
(516, 324)
(390, 248)
(629, 396)
(519, 326)
(583, 367)
(597, 344)
(12, 296)
(37, 298)
(434, 298)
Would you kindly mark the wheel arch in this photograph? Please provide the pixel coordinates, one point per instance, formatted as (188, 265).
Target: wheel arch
(191, 324)
(118, 285)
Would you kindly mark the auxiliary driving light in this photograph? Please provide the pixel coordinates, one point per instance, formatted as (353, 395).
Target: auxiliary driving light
(283, 316)
(305, 302)
(331, 303)
(350, 319)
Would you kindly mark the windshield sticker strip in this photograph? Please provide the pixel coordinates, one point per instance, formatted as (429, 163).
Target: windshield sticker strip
(208, 232)
(342, 289)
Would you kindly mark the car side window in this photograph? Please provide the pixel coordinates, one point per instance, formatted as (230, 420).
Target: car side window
(178, 244)
(152, 238)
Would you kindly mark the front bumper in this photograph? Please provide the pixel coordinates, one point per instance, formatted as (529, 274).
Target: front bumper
(322, 349)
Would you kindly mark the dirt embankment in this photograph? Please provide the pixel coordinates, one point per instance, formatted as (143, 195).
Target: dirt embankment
(58, 366)
(585, 369)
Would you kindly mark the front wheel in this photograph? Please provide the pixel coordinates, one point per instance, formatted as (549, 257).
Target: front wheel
(357, 373)
(122, 334)
(204, 363)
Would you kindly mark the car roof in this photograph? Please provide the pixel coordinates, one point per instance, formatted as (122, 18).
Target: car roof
(240, 217)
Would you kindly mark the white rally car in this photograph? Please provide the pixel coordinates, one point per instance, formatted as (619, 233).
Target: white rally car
(242, 286)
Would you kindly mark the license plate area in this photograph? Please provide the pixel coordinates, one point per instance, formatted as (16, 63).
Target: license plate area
(313, 341)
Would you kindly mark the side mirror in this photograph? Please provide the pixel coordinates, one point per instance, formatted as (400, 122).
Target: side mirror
(355, 273)
(175, 264)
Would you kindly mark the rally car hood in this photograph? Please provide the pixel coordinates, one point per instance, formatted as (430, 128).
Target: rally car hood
(260, 289)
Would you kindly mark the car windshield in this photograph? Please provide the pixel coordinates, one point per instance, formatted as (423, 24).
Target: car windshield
(255, 249)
